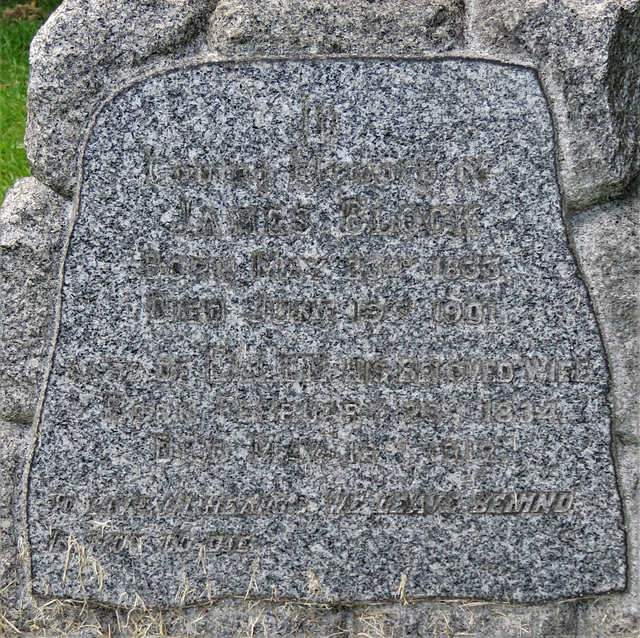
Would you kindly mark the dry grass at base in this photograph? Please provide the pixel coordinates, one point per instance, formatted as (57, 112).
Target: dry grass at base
(260, 618)
(29, 12)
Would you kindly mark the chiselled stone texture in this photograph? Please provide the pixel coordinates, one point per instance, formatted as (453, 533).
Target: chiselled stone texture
(588, 54)
(86, 50)
(8, 552)
(32, 221)
(329, 343)
(608, 242)
(606, 238)
(13, 455)
(396, 27)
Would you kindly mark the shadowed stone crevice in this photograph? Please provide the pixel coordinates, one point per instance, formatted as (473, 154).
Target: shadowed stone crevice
(623, 81)
(588, 56)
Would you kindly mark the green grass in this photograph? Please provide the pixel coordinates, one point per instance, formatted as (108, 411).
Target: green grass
(14, 73)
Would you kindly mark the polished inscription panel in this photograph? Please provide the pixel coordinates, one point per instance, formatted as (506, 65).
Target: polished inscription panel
(321, 335)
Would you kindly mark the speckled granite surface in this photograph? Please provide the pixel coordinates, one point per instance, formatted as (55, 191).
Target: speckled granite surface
(586, 51)
(329, 342)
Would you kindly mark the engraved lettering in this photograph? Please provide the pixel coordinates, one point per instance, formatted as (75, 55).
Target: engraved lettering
(359, 216)
(164, 308)
(544, 370)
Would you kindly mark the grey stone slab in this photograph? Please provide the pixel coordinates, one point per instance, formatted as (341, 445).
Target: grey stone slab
(87, 49)
(329, 343)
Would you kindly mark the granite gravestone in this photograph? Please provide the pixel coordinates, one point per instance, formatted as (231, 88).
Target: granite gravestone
(320, 329)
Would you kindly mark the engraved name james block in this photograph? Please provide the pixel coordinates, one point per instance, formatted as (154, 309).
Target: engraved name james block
(320, 326)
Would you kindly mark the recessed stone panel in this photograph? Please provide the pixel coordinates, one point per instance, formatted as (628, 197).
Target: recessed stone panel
(322, 335)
